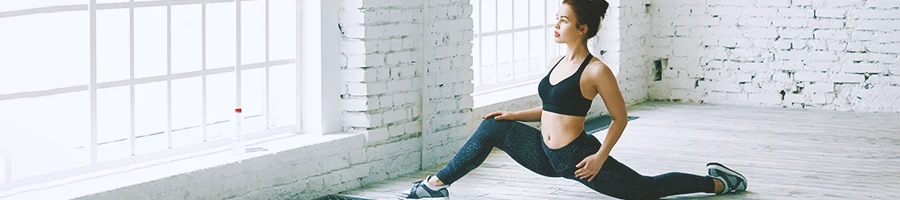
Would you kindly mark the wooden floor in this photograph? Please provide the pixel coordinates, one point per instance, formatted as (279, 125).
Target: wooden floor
(784, 153)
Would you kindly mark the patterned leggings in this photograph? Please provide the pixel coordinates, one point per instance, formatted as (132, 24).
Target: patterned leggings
(524, 144)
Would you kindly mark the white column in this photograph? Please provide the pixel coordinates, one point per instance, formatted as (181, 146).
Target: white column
(318, 66)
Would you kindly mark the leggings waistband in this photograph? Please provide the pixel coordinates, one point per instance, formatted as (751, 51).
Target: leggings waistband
(580, 140)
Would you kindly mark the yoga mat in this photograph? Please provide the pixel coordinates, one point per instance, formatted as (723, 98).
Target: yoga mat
(599, 123)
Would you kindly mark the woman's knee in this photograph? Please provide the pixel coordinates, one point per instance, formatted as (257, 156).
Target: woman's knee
(488, 123)
(492, 123)
(493, 126)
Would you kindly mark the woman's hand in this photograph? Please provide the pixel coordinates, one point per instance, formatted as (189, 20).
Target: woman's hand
(499, 115)
(590, 166)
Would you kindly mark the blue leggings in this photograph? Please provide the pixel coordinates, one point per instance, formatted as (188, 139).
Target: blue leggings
(525, 145)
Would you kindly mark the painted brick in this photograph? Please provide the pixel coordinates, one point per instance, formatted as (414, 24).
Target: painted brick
(796, 33)
(885, 48)
(831, 13)
(882, 4)
(875, 14)
(358, 104)
(823, 56)
(795, 12)
(810, 76)
(861, 68)
(775, 3)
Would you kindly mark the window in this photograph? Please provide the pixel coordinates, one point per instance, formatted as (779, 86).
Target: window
(92, 83)
(512, 42)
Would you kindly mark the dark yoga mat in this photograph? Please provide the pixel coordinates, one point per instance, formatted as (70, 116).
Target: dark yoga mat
(599, 123)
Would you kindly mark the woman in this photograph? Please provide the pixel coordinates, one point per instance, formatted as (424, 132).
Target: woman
(562, 148)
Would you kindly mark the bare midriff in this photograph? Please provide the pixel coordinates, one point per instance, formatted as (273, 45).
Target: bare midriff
(559, 130)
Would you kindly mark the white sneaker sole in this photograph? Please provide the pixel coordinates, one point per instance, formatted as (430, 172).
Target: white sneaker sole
(714, 168)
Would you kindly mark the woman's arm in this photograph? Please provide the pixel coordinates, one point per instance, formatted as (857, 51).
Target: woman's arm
(608, 89)
(530, 115)
(606, 86)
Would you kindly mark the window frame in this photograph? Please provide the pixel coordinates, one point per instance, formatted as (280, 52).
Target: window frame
(317, 103)
(531, 77)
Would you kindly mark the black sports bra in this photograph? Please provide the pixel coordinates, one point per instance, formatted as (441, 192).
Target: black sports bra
(565, 97)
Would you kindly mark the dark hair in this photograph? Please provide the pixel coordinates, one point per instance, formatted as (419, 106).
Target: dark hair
(590, 13)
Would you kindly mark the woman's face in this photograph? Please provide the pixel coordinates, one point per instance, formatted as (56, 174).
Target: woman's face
(566, 29)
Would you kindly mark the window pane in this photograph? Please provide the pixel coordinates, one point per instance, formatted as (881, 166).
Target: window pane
(504, 15)
(51, 50)
(536, 43)
(504, 72)
(521, 45)
(488, 16)
(488, 74)
(22, 5)
(520, 11)
(521, 68)
(537, 14)
(489, 50)
(187, 108)
(253, 31)
(220, 35)
(150, 42)
(252, 98)
(283, 95)
(220, 103)
(282, 29)
(46, 134)
(113, 45)
(504, 48)
(538, 66)
(150, 112)
(113, 123)
(187, 38)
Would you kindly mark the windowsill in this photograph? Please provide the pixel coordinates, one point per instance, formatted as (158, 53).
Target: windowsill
(219, 161)
(484, 98)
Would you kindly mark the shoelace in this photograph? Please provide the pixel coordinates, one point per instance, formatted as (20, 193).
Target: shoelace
(417, 182)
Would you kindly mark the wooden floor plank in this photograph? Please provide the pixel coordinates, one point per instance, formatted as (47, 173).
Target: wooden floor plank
(785, 153)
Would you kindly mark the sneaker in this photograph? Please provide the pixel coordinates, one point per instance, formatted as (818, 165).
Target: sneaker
(733, 181)
(421, 190)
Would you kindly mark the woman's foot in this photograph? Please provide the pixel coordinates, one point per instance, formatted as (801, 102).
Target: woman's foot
(732, 180)
(424, 190)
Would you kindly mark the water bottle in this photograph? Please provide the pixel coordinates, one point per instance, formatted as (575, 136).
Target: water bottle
(237, 138)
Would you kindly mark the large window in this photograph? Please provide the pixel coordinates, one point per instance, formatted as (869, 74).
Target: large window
(512, 41)
(92, 83)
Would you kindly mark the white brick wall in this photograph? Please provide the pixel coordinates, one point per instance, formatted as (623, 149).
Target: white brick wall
(634, 75)
(821, 54)
(383, 82)
(448, 86)
(382, 76)
(391, 64)
(342, 163)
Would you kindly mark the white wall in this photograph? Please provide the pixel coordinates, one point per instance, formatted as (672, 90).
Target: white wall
(405, 80)
(835, 54)
(623, 35)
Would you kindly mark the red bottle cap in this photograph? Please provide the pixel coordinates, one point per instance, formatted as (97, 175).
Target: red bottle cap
(237, 110)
